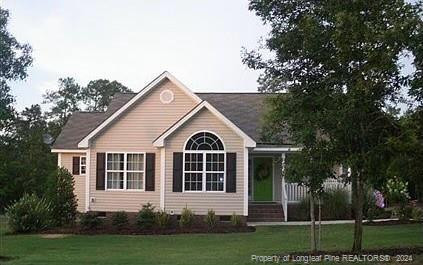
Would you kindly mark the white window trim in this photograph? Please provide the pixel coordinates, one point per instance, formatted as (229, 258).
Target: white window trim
(125, 171)
(204, 171)
(81, 165)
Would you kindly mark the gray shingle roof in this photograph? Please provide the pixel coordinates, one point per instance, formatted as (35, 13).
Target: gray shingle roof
(243, 109)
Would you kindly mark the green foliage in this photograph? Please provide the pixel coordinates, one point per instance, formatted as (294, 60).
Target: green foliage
(210, 219)
(236, 220)
(187, 218)
(342, 73)
(120, 219)
(146, 216)
(60, 194)
(90, 220)
(15, 58)
(162, 219)
(335, 205)
(403, 212)
(65, 100)
(98, 93)
(397, 190)
(417, 214)
(29, 214)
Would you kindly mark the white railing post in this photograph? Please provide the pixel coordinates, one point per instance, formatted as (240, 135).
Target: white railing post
(284, 196)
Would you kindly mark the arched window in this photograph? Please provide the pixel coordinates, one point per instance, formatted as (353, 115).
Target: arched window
(204, 163)
(204, 141)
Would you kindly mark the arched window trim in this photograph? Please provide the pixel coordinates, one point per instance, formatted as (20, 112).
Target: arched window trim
(204, 171)
(204, 131)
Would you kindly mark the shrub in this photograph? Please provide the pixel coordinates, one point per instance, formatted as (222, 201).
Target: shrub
(335, 205)
(187, 218)
(29, 214)
(60, 194)
(90, 220)
(162, 219)
(211, 219)
(397, 191)
(236, 220)
(146, 216)
(120, 219)
(417, 214)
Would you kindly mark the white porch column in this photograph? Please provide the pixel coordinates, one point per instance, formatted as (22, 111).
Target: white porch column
(284, 196)
(245, 181)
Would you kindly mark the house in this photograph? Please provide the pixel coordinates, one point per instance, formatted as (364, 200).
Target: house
(174, 148)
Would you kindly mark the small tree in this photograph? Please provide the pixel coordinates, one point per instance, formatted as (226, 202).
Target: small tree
(311, 167)
(60, 189)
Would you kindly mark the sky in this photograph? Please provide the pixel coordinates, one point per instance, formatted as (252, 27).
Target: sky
(133, 41)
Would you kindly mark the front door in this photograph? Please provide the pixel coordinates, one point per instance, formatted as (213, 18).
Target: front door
(263, 179)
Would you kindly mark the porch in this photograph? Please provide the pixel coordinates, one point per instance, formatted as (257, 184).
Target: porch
(268, 191)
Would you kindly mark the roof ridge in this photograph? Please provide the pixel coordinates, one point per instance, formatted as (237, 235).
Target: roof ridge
(86, 111)
(256, 93)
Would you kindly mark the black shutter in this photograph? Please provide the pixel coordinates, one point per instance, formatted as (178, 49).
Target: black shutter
(101, 171)
(230, 172)
(75, 165)
(150, 166)
(177, 171)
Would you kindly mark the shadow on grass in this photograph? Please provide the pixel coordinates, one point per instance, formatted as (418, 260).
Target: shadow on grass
(5, 258)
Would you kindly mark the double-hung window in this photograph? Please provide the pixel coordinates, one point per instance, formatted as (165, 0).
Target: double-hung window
(125, 171)
(204, 163)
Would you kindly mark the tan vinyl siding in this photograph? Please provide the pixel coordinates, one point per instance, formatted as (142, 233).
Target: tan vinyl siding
(135, 131)
(66, 159)
(200, 202)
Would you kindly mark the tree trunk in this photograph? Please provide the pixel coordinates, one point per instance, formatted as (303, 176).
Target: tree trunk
(313, 224)
(320, 225)
(358, 201)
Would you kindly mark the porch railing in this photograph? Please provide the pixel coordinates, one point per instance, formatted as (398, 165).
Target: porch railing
(296, 192)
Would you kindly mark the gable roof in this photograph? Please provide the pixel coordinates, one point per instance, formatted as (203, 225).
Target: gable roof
(242, 109)
(84, 143)
(248, 142)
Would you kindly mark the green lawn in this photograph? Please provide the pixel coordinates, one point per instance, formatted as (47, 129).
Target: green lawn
(194, 249)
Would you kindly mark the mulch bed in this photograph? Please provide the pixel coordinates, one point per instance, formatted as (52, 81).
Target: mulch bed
(153, 231)
(380, 251)
(393, 222)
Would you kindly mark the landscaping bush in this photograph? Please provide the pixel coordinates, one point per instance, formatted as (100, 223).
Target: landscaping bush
(236, 220)
(187, 218)
(335, 206)
(162, 219)
(60, 194)
(417, 214)
(90, 221)
(146, 216)
(120, 219)
(211, 219)
(29, 214)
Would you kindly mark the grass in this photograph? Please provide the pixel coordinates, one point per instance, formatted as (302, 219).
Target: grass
(195, 249)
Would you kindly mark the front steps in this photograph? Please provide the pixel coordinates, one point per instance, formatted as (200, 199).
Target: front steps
(265, 212)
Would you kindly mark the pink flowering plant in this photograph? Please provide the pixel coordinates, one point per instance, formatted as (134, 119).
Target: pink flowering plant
(379, 199)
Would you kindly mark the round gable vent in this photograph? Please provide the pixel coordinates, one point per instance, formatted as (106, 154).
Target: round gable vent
(166, 96)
